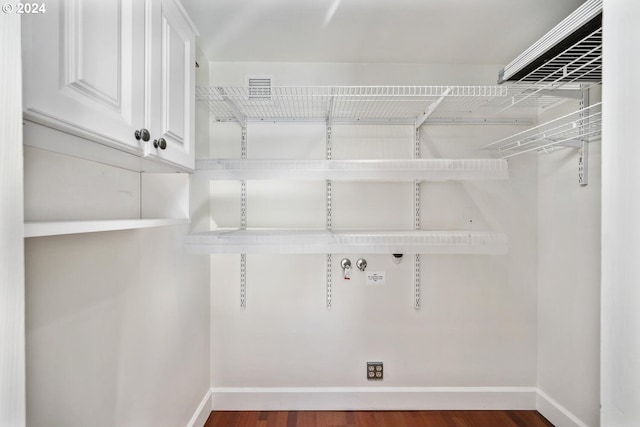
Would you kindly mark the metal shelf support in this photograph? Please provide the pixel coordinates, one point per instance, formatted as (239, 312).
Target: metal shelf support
(583, 151)
(576, 129)
(233, 108)
(416, 225)
(432, 107)
(329, 202)
(330, 113)
(243, 223)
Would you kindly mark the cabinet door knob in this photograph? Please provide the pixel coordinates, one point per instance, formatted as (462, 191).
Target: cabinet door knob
(142, 134)
(160, 143)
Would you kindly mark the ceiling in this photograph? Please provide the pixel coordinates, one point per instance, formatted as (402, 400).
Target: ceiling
(369, 31)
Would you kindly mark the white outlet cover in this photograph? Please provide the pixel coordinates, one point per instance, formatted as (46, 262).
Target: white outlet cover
(376, 278)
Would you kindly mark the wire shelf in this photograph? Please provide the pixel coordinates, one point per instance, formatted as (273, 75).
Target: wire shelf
(355, 170)
(571, 130)
(580, 63)
(381, 104)
(570, 54)
(343, 242)
(583, 27)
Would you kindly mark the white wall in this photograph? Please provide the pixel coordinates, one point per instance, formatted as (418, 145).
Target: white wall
(477, 326)
(336, 74)
(117, 322)
(569, 283)
(620, 213)
(12, 353)
(117, 327)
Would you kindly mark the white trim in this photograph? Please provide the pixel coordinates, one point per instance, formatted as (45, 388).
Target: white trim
(373, 398)
(391, 398)
(12, 289)
(71, 140)
(45, 119)
(202, 412)
(56, 228)
(187, 18)
(557, 414)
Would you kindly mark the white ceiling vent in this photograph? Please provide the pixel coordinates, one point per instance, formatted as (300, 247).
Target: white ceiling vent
(259, 88)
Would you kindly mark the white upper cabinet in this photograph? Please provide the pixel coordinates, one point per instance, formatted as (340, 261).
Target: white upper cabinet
(104, 69)
(170, 83)
(83, 68)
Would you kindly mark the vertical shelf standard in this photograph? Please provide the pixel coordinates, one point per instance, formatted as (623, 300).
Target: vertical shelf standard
(329, 224)
(243, 222)
(416, 225)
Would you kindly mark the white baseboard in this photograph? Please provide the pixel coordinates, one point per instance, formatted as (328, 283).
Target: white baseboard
(201, 414)
(557, 414)
(373, 398)
(383, 398)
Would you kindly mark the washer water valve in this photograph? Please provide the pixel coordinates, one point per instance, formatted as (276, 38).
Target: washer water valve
(361, 264)
(346, 268)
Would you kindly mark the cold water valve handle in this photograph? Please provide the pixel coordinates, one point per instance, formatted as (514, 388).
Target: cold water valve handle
(346, 268)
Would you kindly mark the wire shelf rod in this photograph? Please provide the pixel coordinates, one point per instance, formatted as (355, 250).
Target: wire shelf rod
(558, 131)
(547, 87)
(591, 42)
(282, 92)
(324, 241)
(551, 144)
(375, 103)
(586, 54)
(536, 129)
(556, 138)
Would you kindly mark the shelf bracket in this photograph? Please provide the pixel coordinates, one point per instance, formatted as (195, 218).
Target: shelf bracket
(583, 151)
(435, 104)
(562, 93)
(233, 107)
(572, 143)
(479, 121)
(330, 112)
(583, 164)
(329, 283)
(416, 225)
(243, 222)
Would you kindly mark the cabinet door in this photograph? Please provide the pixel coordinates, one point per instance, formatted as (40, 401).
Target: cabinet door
(84, 69)
(171, 83)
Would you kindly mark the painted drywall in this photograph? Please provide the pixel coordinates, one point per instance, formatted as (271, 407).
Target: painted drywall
(620, 213)
(12, 349)
(117, 322)
(426, 31)
(569, 280)
(199, 200)
(478, 322)
(321, 74)
(116, 329)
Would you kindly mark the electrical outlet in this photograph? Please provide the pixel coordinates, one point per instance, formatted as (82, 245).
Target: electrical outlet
(374, 371)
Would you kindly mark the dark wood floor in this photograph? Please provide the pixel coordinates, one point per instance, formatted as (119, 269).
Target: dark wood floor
(377, 419)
